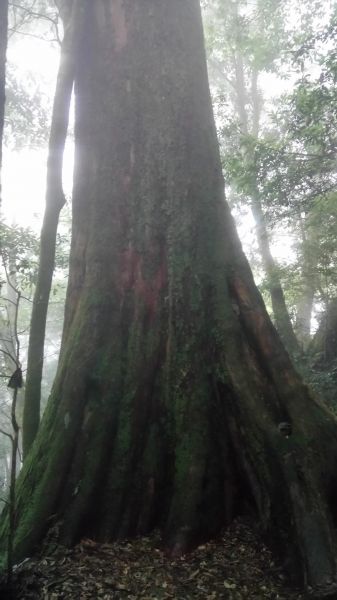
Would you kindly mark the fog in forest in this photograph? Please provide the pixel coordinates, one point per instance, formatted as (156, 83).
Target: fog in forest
(110, 245)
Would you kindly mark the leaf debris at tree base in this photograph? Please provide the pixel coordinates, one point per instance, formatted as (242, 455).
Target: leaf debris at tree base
(235, 566)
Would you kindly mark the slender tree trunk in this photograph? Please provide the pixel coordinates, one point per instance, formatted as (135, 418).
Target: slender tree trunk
(304, 312)
(243, 98)
(13, 472)
(175, 403)
(3, 49)
(6, 471)
(11, 292)
(15, 383)
(7, 330)
(280, 311)
(324, 343)
(54, 202)
(309, 245)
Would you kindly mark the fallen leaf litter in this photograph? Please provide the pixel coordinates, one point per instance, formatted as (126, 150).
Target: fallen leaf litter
(237, 566)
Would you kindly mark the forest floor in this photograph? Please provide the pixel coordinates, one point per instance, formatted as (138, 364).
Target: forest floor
(235, 566)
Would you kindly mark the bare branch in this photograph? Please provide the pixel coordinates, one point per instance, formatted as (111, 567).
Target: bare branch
(8, 300)
(34, 14)
(22, 331)
(27, 299)
(9, 355)
(9, 435)
(34, 35)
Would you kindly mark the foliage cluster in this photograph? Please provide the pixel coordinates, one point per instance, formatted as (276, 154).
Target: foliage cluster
(281, 147)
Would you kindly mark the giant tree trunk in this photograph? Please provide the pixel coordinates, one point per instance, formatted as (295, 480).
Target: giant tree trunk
(3, 49)
(173, 388)
(54, 203)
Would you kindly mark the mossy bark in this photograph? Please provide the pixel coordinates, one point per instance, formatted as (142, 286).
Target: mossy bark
(172, 382)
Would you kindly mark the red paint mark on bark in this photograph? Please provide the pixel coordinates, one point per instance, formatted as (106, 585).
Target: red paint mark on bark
(129, 262)
(119, 25)
(146, 291)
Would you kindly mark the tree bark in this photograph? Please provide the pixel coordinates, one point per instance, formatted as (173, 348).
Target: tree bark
(3, 50)
(55, 201)
(173, 387)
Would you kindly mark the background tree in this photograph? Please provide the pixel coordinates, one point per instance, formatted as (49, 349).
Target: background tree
(55, 201)
(15, 383)
(309, 140)
(244, 45)
(296, 172)
(20, 249)
(17, 270)
(10, 351)
(26, 127)
(24, 16)
(174, 398)
(28, 107)
(27, 116)
(269, 157)
(3, 47)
